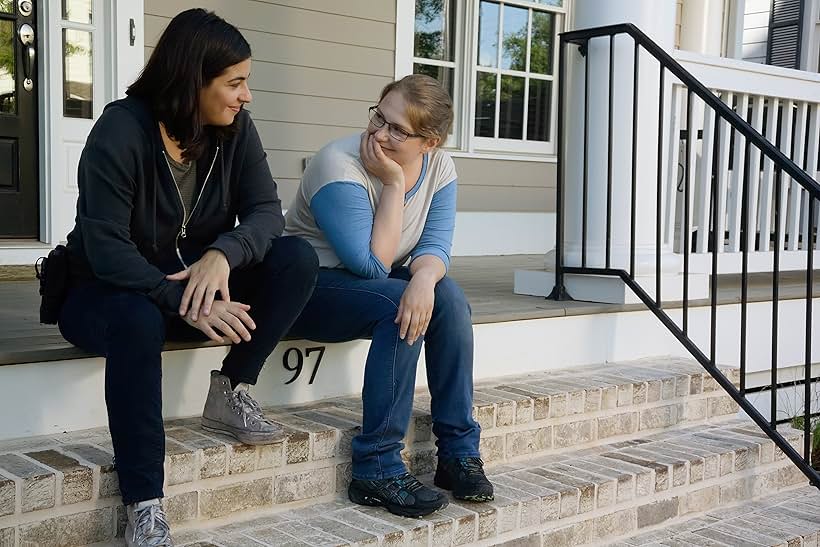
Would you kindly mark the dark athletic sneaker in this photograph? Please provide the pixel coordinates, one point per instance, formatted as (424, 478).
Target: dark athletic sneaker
(403, 495)
(465, 477)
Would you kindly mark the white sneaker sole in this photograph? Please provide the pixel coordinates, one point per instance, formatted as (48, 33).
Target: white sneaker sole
(243, 436)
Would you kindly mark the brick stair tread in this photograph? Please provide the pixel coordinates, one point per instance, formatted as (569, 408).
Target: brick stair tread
(520, 414)
(545, 492)
(790, 518)
(586, 496)
(45, 478)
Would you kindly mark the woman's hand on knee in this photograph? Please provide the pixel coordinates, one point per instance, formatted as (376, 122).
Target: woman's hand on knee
(205, 277)
(231, 319)
(416, 308)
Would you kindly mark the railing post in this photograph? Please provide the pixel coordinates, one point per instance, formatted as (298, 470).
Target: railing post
(559, 292)
(809, 303)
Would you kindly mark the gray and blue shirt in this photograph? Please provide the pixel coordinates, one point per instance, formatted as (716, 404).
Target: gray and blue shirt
(335, 206)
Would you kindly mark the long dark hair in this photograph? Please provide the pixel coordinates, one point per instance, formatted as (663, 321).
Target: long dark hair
(195, 48)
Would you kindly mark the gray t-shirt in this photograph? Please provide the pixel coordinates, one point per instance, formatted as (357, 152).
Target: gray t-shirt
(185, 177)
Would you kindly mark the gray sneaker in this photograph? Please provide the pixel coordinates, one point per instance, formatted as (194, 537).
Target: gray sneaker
(233, 411)
(147, 526)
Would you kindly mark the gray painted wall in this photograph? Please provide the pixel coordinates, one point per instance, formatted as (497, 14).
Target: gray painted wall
(317, 66)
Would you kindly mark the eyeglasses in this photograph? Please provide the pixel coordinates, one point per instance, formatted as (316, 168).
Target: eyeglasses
(394, 130)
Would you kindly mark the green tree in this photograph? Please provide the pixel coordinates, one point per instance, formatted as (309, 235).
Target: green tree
(515, 45)
(431, 39)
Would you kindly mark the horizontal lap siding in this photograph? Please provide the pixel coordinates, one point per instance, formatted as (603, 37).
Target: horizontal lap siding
(504, 185)
(317, 66)
(756, 30)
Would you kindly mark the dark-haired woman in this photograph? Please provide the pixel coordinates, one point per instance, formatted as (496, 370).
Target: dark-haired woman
(379, 208)
(156, 251)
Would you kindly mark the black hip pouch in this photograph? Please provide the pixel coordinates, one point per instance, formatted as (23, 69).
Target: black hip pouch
(52, 271)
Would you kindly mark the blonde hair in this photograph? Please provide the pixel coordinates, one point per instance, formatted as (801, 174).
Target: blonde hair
(429, 107)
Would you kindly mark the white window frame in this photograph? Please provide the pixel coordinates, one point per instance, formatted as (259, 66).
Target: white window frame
(116, 62)
(463, 142)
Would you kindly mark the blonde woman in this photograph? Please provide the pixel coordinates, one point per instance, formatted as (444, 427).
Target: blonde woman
(379, 209)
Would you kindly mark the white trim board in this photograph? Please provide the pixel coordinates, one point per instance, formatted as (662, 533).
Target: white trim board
(503, 233)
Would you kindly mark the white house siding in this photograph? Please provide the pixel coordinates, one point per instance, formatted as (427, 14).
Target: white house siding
(317, 66)
(756, 30)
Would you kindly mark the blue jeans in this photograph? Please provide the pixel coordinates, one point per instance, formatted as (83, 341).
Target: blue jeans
(129, 329)
(347, 307)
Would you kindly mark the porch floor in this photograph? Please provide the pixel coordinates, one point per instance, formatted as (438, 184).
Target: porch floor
(487, 281)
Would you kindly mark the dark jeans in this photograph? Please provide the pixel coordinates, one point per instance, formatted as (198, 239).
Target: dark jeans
(129, 330)
(346, 307)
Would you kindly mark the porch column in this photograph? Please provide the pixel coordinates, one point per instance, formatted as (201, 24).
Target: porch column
(702, 26)
(656, 18)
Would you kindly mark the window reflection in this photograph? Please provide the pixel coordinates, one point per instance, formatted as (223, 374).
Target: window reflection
(556, 3)
(543, 25)
(488, 34)
(485, 105)
(8, 96)
(434, 38)
(538, 110)
(77, 74)
(441, 73)
(514, 42)
(511, 108)
(77, 11)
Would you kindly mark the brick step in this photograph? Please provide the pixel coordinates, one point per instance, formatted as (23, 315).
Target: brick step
(790, 518)
(56, 480)
(587, 496)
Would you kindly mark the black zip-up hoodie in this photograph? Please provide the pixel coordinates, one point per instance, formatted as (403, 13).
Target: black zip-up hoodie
(129, 226)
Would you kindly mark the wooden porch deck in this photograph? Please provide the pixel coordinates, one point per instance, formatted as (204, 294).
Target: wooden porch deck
(487, 281)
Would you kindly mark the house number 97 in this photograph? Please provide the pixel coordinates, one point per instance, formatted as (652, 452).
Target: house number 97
(294, 361)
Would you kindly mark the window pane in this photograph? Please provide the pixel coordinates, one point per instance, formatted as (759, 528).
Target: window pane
(77, 70)
(440, 73)
(488, 34)
(8, 97)
(77, 11)
(7, 6)
(435, 30)
(543, 38)
(485, 105)
(514, 52)
(556, 3)
(511, 108)
(538, 110)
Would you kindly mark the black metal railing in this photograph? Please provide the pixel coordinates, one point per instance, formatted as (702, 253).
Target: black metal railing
(782, 165)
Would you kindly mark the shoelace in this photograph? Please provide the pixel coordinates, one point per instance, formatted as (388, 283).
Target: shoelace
(151, 528)
(249, 408)
(472, 467)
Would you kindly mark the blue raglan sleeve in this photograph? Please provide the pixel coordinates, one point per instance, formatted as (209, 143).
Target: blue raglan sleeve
(437, 236)
(343, 212)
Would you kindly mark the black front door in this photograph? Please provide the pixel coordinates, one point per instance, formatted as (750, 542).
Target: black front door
(19, 205)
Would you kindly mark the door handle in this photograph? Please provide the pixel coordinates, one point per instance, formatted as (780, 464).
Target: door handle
(26, 34)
